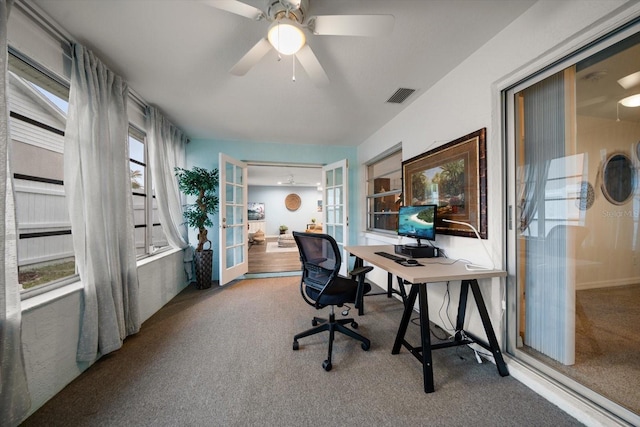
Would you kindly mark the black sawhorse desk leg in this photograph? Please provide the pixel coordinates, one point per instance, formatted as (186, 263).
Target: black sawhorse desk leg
(486, 322)
(423, 353)
(390, 291)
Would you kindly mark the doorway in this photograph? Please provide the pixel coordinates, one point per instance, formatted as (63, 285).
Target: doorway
(283, 195)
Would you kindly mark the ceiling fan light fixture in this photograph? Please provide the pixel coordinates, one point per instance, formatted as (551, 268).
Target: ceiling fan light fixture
(631, 101)
(286, 36)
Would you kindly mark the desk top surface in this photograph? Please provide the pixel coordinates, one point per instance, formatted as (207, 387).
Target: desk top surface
(431, 270)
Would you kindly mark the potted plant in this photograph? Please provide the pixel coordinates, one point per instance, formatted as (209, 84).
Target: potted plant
(203, 184)
(283, 229)
(312, 226)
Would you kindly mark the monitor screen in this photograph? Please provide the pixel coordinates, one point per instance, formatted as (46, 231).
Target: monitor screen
(418, 222)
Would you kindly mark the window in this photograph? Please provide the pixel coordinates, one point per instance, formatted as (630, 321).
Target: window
(149, 235)
(38, 107)
(384, 188)
(575, 249)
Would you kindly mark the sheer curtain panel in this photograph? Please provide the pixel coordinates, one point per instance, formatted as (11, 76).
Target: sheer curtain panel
(14, 393)
(98, 190)
(167, 145)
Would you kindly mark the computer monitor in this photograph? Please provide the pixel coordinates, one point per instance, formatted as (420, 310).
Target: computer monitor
(418, 222)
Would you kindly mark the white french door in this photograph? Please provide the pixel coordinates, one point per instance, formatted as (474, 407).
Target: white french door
(233, 232)
(336, 205)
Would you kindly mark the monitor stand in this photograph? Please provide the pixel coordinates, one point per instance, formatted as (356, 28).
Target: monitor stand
(418, 244)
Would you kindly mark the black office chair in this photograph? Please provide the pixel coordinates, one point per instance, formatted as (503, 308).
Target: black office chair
(321, 285)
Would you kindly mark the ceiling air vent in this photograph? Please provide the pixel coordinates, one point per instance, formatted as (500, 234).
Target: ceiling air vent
(400, 95)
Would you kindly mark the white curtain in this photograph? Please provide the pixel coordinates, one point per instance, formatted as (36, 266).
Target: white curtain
(98, 190)
(167, 147)
(167, 150)
(14, 393)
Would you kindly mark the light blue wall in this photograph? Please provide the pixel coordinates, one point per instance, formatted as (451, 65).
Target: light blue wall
(204, 153)
(276, 213)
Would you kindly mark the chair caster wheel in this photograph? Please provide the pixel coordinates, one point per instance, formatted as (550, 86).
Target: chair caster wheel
(314, 322)
(296, 346)
(365, 346)
(326, 365)
(354, 325)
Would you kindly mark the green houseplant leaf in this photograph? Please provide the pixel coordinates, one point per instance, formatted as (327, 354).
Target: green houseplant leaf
(203, 184)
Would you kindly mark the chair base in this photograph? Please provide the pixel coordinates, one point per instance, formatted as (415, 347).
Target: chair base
(332, 325)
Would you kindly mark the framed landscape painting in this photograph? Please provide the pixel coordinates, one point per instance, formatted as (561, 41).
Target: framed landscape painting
(454, 177)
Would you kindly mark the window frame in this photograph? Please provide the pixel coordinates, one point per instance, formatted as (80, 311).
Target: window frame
(39, 78)
(37, 75)
(150, 247)
(371, 196)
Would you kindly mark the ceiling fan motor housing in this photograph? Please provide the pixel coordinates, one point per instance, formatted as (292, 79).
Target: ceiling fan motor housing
(296, 10)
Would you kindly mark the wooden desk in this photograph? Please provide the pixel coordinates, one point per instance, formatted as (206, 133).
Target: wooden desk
(435, 270)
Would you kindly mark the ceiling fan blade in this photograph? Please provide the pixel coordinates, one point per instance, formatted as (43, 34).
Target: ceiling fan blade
(251, 58)
(352, 25)
(312, 66)
(236, 7)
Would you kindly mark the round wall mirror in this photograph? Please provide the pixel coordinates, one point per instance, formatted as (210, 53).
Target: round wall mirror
(618, 178)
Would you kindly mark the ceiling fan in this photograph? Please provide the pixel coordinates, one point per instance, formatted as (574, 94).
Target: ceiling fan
(290, 180)
(290, 21)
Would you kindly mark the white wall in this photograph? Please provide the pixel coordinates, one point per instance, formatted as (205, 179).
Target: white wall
(50, 324)
(276, 212)
(467, 99)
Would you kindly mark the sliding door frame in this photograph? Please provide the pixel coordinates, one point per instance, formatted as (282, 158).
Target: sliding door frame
(583, 47)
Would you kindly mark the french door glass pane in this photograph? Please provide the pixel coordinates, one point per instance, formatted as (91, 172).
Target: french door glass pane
(329, 180)
(239, 194)
(338, 176)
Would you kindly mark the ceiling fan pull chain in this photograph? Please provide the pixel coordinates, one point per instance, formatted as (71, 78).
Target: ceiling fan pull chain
(293, 57)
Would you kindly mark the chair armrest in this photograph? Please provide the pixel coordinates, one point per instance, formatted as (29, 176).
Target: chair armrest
(360, 270)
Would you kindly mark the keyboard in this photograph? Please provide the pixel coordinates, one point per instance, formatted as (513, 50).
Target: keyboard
(391, 256)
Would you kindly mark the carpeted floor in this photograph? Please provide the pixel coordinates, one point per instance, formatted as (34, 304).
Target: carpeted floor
(223, 357)
(607, 344)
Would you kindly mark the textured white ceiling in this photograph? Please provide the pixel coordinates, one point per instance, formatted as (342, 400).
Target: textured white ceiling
(285, 175)
(177, 53)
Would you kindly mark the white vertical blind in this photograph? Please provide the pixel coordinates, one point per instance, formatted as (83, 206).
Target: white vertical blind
(550, 285)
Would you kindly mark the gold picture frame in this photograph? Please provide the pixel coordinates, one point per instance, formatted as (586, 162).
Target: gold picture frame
(454, 177)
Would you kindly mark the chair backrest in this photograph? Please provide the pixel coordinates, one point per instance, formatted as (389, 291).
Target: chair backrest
(566, 240)
(320, 258)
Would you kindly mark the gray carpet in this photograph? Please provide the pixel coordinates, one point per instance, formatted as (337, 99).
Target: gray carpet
(607, 344)
(223, 357)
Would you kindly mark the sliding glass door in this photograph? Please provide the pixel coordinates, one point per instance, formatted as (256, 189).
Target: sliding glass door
(574, 199)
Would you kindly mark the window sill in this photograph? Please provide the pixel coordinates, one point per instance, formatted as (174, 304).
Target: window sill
(50, 296)
(166, 251)
(383, 238)
(75, 285)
